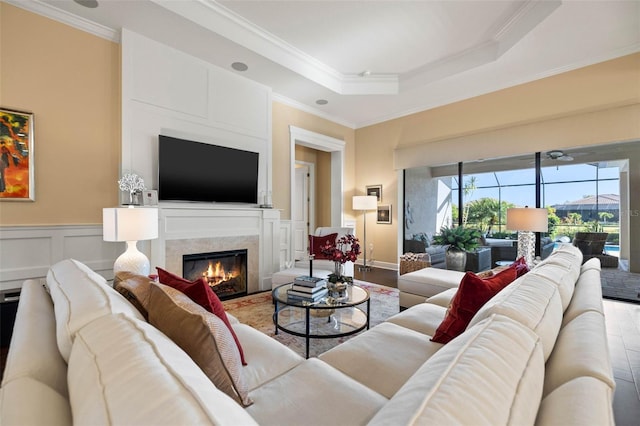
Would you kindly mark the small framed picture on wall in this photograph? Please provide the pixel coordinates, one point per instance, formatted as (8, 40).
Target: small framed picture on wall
(384, 213)
(375, 190)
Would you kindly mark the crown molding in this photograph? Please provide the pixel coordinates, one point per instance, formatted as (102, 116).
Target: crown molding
(220, 20)
(67, 18)
(276, 97)
(505, 36)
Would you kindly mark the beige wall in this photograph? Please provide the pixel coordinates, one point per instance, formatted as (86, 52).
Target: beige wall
(284, 116)
(70, 80)
(594, 105)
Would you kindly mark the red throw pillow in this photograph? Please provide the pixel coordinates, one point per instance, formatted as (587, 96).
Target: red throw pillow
(316, 244)
(200, 292)
(521, 266)
(472, 293)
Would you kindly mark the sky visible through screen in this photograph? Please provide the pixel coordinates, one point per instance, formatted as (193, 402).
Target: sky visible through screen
(563, 184)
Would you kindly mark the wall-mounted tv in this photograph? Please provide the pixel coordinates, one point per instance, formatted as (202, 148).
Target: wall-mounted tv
(197, 171)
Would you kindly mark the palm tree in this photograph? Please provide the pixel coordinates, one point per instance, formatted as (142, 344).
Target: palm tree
(468, 189)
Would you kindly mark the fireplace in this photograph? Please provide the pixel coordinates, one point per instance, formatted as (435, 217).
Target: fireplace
(225, 271)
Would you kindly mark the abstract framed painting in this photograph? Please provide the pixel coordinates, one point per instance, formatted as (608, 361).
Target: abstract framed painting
(17, 163)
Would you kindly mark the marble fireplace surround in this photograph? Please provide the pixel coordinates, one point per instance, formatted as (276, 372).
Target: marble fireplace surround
(201, 228)
(176, 249)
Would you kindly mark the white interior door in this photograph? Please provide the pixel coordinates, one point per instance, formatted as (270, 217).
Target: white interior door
(301, 211)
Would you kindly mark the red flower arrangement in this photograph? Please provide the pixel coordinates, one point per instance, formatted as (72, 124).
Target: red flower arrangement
(345, 249)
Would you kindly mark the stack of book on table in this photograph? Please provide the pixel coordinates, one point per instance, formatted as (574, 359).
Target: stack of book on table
(305, 288)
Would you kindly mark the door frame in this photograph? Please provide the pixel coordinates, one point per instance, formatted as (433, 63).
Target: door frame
(311, 202)
(298, 136)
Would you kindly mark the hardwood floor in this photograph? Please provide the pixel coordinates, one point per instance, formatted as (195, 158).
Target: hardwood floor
(623, 332)
(387, 277)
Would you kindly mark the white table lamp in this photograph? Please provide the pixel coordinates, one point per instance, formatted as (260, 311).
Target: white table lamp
(527, 221)
(364, 203)
(131, 225)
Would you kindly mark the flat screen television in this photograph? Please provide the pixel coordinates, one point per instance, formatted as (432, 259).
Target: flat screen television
(197, 171)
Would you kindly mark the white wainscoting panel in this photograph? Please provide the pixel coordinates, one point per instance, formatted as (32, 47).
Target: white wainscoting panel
(27, 252)
(286, 250)
(181, 77)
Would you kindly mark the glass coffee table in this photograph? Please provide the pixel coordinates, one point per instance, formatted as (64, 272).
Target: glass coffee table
(325, 319)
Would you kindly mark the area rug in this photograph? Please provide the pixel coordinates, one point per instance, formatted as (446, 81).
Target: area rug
(256, 310)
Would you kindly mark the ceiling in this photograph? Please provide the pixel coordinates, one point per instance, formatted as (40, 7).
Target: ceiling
(372, 60)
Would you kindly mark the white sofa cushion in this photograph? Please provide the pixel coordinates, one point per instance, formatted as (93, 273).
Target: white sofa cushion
(266, 357)
(34, 351)
(581, 350)
(491, 374)
(562, 267)
(429, 281)
(314, 393)
(444, 298)
(80, 296)
(144, 379)
(589, 400)
(25, 401)
(393, 352)
(534, 303)
(424, 318)
(587, 295)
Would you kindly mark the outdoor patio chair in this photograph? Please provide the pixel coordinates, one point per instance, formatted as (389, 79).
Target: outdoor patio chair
(591, 244)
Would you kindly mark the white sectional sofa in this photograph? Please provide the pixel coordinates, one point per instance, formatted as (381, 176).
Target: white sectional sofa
(536, 353)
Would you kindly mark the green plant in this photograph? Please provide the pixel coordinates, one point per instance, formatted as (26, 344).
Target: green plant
(458, 238)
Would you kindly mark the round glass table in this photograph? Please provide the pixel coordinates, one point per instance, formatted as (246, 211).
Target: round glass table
(323, 319)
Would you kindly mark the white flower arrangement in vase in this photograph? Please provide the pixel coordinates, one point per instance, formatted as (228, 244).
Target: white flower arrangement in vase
(131, 183)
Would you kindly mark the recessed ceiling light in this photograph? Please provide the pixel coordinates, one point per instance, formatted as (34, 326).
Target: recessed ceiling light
(91, 4)
(322, 101)
(239, 66)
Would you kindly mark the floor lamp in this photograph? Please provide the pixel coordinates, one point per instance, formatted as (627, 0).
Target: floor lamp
(364, 203)
(131, 225)
(527, 221)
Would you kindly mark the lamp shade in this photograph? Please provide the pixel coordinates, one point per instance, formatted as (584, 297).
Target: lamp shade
(365, 202)
(527, 219)
(129, 224)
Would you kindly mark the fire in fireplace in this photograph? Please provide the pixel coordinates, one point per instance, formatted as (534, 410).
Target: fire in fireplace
(225, 271)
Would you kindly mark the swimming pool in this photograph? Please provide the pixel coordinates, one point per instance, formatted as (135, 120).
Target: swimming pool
(613, 250)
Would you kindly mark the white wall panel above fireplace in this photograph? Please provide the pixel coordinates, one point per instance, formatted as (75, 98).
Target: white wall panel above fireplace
(166, 91)
(197, 223)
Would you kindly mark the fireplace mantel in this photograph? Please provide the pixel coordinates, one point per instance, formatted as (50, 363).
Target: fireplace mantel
(184, 225)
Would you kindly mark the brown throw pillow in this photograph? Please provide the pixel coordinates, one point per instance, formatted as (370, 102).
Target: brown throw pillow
(135, 288)
(203, 336)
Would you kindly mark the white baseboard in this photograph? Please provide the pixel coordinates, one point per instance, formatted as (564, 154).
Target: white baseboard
(379, 264)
